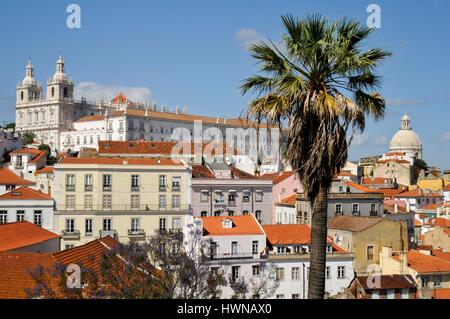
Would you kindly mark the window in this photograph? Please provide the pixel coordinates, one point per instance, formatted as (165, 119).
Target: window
(341, 272)
(281, 249)
(135, 202)
(91, 139)
(246, 196)
(213, 249)
(295, 272)
(37, 217)
(65, 92)
(281, 296)
(232, 199)
(88, 202)
(295, 296)
(21, 95)
(3, 216)
(255, 247)
(425, 281)
(70, 182)
(107, 224)
(279, 273)
(107, 202)
(162, 202)
(327, 272)
(20, 215)
(70, 225)
(203, 214)
(234, 248)
(231, 213)
(176, 182)
(245, 212)
(235, 273)
(135, 224)
(338, 209)
(437, 282)
(134, 183)
(69, 246)
(373, 210)
(162, 224)
(88, 182)
(258, 196)
(258, 216)
(217, 213)
(70, 201)
(88, 227)
(176, 202)
(204, 196)
(84, 139)
(255, 270)
(162, 183)
(369, 253)
(218, 197)
(107, 182)
(176, 223)
(355, 209)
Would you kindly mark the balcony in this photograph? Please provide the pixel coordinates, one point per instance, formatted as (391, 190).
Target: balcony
(124, 208)
(356, 213)
(136, 234)
(175, 188)
(135, 188)
(338, 213)
(70, 234)
(111, 233)
(175, 230)
(232, 203)
(162, 188)
(18, 165)
(234, 256)
(88, 188)
(107, 188)
(70, 188)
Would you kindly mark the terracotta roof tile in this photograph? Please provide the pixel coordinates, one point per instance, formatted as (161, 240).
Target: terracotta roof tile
(7, 177)
(26, 151)
(25, 193)
(45, 170)
(120, 161)
(387, 282)
(399, 161)
(440, 254)
(425, 264)
(290, 200)
(419, 193)
(90, 118)
(376, 181)
(442, 293)
(390, 192)
(201, 171)
(446, 188)
(22, 234)
(277, 177)
(242, 225)
(362, 188)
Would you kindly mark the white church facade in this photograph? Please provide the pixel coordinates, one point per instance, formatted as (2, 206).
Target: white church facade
(64, 123)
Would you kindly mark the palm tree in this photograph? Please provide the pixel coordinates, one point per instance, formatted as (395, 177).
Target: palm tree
(318, 82)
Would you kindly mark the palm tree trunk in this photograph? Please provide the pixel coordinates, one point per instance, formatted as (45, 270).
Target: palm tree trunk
(316, 282)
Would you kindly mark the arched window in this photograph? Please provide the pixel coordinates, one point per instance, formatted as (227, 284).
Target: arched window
(53, 92)
(204, 214)
(65, 92)
(245, 212)
(217, 213)
(21, 95)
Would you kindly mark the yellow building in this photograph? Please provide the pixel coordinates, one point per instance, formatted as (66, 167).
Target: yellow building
(129, 199)
(365, 236)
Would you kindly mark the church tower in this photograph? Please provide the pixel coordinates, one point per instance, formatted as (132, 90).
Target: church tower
(60, 87)
(28, 90)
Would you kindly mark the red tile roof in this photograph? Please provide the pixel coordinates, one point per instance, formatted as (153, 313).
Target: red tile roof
(346, 174)
(362, 188)
(376, 181)
(201, 171)
(15, 272)
(120, 161)
(390, 192)
(353, 223)
(290, 200)
(293, 234)
(440, 254)
(23, 234)
(242, 225)
(425, 264)
(442, 293)
(441, 222)
(393, 160)
(37, 154)
(7, 177)
(90, 118)
(418, 192)
(277, 177)
(387, 282)
(446, 188)
(45, 170)
(25, 193)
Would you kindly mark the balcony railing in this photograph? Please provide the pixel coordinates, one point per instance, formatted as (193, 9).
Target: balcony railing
(70, 188)
(175, 230)
(70, 234)
(338, 213)
(356, 212)
(135, 188)
(235, 256)
(175, 188)
(88, 188)
(107, 188)
(138, 234)
(18, 165)
(162, 188)
(182, 208)
(105, 233)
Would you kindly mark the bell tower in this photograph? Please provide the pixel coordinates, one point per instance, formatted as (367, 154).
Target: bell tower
(28, 90)
(59, 87)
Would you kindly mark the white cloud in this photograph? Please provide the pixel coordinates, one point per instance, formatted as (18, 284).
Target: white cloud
(445, 137)
(360, 139)
(381, 141)
(93, 91)
(403, 102)
(247, 36)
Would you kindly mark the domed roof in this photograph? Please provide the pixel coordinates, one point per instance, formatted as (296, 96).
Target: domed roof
(60, 77)
(405, 138)
(29, 79)
(60, 74)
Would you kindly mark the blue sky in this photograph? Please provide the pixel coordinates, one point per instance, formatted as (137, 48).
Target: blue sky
(194, 53)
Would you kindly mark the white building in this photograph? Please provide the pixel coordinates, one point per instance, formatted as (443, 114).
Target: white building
(406, 143)
(26, 204)
(25, 162)
(10, 181)
(9, 141)
(286, 211)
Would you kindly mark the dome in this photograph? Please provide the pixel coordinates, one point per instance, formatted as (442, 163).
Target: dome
(60, 74)
(29, 81)
(405, 140)
(60, 77)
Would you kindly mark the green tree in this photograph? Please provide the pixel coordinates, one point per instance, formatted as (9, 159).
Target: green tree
(44, 147)
(420, 164)
(28, 138)
(319, 81)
